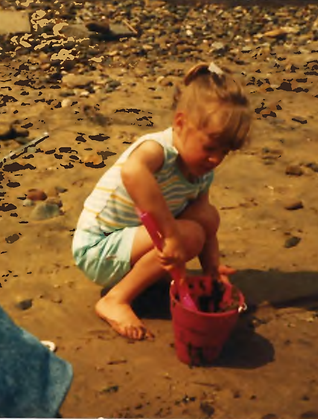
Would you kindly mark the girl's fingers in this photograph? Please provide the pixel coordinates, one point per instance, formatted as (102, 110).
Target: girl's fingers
(225, 279)
(170, 260)
(226, 270)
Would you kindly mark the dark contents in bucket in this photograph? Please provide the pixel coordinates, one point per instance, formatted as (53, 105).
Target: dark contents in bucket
(219, 300)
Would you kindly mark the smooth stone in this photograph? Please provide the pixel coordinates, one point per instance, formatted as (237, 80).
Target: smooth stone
(57, 299)
(54, 200)
(293, 204)
(77, 31)
(313, 166)
(66, 103)
(28, 203)
(24, 304)
(60, 189)
(36, 195)
(14, 22)
(44, 211)
(292, 242)
(72, 81)
(294, 170)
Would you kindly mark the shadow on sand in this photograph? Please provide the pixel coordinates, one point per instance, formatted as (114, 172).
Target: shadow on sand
(278, 289)
(245, 348)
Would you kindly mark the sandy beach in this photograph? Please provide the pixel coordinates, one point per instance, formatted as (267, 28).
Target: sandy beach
(91, 93)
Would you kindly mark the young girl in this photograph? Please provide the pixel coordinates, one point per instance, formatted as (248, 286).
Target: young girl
(168, 175)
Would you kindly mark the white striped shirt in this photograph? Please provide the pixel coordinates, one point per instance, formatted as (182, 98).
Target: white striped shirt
(109, 207)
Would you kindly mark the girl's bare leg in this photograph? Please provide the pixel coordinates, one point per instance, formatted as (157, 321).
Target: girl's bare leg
(115, 306)
(208, 217)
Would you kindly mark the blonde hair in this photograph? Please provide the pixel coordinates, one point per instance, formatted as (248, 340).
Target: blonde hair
(214, 96)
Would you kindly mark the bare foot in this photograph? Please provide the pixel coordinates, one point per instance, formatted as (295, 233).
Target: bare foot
(122, 319)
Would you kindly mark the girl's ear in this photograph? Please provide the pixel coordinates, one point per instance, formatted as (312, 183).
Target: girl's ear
(179, 122)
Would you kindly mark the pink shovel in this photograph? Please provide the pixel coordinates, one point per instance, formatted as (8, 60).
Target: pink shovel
(185, 298)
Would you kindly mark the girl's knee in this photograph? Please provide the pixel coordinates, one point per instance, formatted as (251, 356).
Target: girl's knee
(209, 219)
(214, 218)
(206, 215)
(194, 238)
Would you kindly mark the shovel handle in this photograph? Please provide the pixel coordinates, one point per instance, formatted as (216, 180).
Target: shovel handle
(175, 273)
(151, 228)
(156, 238)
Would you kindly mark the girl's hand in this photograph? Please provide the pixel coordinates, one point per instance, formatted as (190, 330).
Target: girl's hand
(224, 272)
(173, 255)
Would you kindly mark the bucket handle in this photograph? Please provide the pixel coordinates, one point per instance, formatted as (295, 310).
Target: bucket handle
(242, 308)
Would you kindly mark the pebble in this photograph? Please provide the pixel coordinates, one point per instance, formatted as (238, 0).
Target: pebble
(36, 195)
(275, 33)
(313, 166)
(110, 389)
(293, 204)
(57, 299)
(60, 189)
(72, 81)
(93, 159)
(310, 414)
(77, 31)
(55, 201)
(28, 202)
(24, 304)
(85, 93)
(117, 361)
(66, 103)
(166, 82)
(12, 239)
(51, 346)
(45, 211)
(292, 242)
(269, 153)
(294, 170)
(113, 84)
(207, 408)
(217, 46)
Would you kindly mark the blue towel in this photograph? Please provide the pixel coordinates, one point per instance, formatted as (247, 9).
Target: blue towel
(33, 380)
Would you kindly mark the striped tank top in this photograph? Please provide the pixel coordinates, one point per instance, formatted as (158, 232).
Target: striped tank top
(109, 207)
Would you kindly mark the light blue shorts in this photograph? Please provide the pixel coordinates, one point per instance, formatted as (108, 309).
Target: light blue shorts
(104, 259)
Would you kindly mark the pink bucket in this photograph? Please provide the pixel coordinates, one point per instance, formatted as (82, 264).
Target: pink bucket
(199, 336)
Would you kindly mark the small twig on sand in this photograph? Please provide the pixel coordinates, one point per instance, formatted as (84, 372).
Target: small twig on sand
(130, 27)
(14, 154)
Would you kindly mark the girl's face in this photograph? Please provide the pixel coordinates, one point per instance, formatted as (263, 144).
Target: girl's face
(199, 149)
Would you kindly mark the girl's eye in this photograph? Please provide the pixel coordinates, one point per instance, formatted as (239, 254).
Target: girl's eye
(210, 149)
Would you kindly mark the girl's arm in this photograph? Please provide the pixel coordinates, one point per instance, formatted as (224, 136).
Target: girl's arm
(138, 178)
